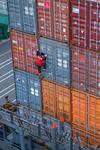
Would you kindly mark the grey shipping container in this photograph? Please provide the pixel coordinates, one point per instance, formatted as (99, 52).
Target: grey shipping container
(57, 63)
(22, 15)
(3, 7)
(28, 89)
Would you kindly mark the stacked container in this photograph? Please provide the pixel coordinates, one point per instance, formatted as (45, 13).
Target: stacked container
(68, 90)
(4, 33)
(85, 71)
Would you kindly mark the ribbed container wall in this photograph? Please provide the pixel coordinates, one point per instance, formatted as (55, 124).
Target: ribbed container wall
(24, 47)
(87, 110)
(53, 19)
(66, 94)
(28, 90)
(22, 15)
(58, 63)
(85, 24)
(85, 70)
(87, 140)
(56, 100)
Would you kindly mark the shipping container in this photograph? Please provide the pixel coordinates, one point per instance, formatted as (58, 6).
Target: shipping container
(45, 17)
(22, 15)
(56, 100)
(24, 48)
(86, 112)
(17, 45)
(57, 62)
(94, 25)
(79, 109)
(53, 19)
(85, 139)
(3, 7)
(28, 90)
(94, 114)
(85, 70)
(85, 18)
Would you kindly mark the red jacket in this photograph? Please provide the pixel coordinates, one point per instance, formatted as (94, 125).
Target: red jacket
(39, 61)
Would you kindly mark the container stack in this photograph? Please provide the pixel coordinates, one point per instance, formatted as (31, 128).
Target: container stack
(4, 33)
(68, 88)
(85, 71)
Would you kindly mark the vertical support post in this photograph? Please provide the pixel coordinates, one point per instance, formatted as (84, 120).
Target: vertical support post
(4, 132)
(54, 143)
(11, 115)
(61, 124)
(39, 130)
(22, 138)
(30, 143)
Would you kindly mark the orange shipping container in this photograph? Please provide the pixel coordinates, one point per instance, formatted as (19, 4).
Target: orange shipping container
(86, 111)
(79, 135)
(85, 139)
(79, 108)
(94, 114)
(56, 100)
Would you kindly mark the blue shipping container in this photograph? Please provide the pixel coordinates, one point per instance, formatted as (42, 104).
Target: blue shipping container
(22, 15)
(28, 90)
(58, 66)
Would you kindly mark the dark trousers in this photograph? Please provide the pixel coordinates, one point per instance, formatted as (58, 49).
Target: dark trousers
(39, 69)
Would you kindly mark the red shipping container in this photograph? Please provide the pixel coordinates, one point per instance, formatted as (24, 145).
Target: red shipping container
(94, 25)
(45, 17)
(85, 70)
(61, 20)
(17, 49)
(53, 19)
(24, 47)
(85, 24)
(79, 23)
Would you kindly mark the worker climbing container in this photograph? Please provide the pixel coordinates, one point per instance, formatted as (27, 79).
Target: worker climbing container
(53, 19)
(85, 112)
(24, 48)
(85, 18)
(56, 100)
(85, 70)
(22, 15)
(28, 90)
(57, 62)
